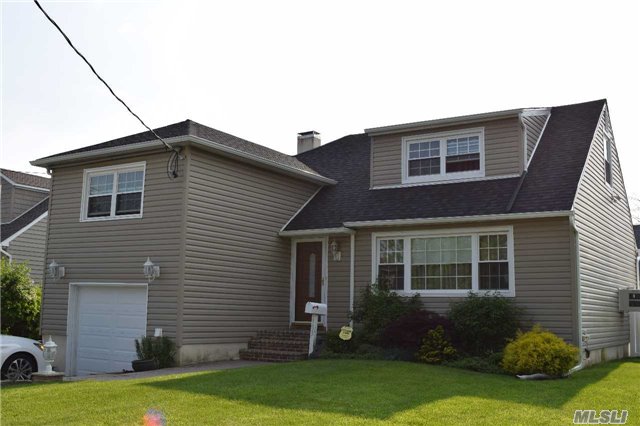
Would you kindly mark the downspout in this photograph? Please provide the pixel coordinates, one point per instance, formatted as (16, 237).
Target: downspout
(6, 253)
(352, 278)
(583, 350)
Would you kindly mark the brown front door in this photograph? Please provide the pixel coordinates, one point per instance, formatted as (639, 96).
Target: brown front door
(308, 277)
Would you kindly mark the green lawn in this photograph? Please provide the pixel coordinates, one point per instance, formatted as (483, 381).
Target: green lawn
(330, 392)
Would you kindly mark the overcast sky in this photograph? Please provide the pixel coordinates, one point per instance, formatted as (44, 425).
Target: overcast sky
(266, 70)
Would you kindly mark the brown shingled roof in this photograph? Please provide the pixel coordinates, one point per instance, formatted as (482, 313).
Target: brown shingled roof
(27, 179)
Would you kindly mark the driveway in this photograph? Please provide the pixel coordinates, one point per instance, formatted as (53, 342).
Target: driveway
(209, 366)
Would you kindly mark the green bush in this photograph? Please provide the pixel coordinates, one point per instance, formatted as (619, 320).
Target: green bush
(336, 345)
(21, 301)
(484, 323)
(486, 364)
(539, 351)
(377, 307)
(162, 349)
(436, 347)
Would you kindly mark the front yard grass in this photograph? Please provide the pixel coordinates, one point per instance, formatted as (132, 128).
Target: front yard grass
(330, 392)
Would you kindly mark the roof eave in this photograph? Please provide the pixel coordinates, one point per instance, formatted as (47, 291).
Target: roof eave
(441, 122)
(455, 219)
(341, 230)
(177, 140)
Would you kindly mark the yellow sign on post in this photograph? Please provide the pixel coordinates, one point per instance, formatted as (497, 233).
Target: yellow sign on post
(345, 333)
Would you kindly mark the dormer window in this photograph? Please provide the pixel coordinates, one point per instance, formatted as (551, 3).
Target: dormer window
(443, 156)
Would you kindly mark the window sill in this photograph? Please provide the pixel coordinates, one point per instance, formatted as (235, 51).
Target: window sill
(107, 218)
(447, 178)
(454, 293)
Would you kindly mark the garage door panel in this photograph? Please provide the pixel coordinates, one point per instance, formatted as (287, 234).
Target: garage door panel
(109, 319)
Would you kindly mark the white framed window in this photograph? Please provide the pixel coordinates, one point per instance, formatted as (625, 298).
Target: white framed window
(443, 156)
(445, 262)
(114, 192)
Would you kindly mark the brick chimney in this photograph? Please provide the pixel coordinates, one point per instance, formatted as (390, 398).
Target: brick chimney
(308, 141)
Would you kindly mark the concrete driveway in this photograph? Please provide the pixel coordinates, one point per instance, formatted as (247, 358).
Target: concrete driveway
(210, 366)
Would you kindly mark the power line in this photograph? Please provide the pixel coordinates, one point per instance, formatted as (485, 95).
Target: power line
(106, 84)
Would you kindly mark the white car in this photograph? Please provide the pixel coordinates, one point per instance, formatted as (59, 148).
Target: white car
(20, 357)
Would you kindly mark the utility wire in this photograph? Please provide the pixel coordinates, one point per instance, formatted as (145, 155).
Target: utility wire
(169, 147)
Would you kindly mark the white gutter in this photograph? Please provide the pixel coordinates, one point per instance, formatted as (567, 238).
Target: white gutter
(454, 219)
(48, 161)
(580, 365)
(6, 254)
(320, 231)
(24, 228)
(352, 274)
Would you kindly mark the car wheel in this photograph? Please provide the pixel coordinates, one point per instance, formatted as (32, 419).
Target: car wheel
(18, 368)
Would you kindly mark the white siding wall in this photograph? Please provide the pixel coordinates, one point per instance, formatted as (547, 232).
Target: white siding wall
(607, 247)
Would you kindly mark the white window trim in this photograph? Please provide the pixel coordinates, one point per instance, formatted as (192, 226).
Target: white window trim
(473, 232)
(441, 136)
(115, 170)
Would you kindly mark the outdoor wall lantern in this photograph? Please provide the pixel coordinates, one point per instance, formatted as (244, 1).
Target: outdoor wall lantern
(49, 355)
(55, 271)
(335, 251)
(151, 271)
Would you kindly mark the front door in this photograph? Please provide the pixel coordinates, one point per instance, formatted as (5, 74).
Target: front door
(308, 277)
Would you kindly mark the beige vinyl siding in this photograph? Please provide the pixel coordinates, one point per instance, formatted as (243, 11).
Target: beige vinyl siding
(534, 125)
(503, 150)
(29, 247)
(338, 288)
(115, 250)
(25, 199)
(237, 268)
(544, 282)
(607, 247)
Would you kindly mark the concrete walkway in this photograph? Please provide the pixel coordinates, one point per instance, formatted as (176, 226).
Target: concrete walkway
(210, 366)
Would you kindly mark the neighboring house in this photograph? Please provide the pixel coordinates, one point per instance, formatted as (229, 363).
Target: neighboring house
(636, 230)
(24, 204)
(529, 203)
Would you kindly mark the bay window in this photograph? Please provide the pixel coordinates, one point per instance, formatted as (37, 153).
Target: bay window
(443, 156)
(113, 192)
(446, 263)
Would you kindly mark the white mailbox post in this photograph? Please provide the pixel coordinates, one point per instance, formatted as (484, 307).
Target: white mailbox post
(315, 309)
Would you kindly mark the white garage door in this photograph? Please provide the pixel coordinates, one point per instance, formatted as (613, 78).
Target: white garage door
(109, 319)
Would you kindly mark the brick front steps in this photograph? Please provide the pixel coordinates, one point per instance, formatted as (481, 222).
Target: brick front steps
(278, 346)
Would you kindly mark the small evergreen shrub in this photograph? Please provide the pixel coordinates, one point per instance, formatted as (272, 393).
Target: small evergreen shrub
(408, 331)
(436, 348)
(377, 307)
(539, 351)
(20, 301)
(484, 323)
(162, 349)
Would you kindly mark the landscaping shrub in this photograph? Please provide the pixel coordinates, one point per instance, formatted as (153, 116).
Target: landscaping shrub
(436, 347)
(162, 349)
(484, 323)
(377, 307)
(336, 345)
(408, 331)
(20, 301)
(486, 364)
(539, 351)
